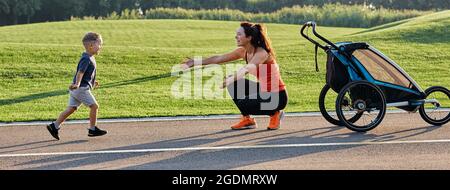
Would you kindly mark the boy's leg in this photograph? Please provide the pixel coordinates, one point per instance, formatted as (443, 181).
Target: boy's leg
(55, 126)
(85, 96)
(64, 115)
(94, 131)
(89, 100)
(93, 115)
(74, 104)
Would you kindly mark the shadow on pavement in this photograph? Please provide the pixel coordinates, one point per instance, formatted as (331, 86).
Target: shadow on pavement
(228, 158)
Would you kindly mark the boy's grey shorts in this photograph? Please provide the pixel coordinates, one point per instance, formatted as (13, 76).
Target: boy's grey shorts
(82, 95)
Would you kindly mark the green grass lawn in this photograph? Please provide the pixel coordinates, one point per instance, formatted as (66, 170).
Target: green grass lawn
(38, 61)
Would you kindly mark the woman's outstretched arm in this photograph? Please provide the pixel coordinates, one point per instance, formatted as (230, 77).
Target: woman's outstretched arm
(218, 59)
(259, 58)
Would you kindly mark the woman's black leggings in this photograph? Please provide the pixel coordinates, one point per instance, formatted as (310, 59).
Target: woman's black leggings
(248, 97)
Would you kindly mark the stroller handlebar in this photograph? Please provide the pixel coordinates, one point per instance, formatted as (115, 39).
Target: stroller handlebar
(310, 23)
(313, 25)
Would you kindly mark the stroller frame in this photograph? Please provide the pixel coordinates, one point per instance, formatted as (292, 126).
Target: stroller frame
(410, 97)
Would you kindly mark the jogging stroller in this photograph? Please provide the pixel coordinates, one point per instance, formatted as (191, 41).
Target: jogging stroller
(368, 82)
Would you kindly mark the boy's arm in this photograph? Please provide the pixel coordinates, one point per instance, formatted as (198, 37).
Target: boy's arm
(77, 81)
(81, 69)
(97, 84)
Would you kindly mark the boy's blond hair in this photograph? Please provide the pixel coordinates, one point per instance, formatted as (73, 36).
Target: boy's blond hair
(91, 37)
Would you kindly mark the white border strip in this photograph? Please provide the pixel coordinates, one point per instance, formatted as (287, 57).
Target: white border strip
(177, 118)
(222, 148)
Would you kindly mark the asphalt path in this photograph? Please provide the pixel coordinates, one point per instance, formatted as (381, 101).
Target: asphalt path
(402, 141)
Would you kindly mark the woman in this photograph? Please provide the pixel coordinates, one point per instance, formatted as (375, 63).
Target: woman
(267, 96)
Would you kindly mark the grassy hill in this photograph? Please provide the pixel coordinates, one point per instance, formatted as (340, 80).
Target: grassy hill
(38, 61)
(421, 46)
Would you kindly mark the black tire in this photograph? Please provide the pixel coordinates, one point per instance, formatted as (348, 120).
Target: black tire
(323, 110)
(325, 113)
(367, 100)
(424, 112)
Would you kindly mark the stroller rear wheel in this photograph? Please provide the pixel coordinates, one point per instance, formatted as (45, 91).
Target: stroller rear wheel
(364, 100)
(436, 113)
(328, 97)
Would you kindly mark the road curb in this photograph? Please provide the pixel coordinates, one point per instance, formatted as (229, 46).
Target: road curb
(175, 118)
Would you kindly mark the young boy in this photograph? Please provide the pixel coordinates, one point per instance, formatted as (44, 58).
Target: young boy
(80, 89)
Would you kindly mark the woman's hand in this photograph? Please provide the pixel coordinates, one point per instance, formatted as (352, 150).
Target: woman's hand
(187, 64)
(227, 81)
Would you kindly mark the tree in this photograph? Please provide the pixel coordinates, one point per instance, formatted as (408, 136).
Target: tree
(55, 10)
(4, 11)
(15, 9)
(4, 7)
(29, 8)
(26, 11)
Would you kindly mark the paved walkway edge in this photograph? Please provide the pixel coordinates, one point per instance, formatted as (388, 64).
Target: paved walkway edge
(177, 118)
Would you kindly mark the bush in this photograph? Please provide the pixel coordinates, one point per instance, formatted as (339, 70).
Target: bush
(131, 14)
(327, 15)
(113, 16)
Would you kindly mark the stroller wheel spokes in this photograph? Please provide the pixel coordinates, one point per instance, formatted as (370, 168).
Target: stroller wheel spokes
(366, 100)
(436, 109)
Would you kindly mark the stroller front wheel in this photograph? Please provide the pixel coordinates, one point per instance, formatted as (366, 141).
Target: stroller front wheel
(362, 99)
(436, 113)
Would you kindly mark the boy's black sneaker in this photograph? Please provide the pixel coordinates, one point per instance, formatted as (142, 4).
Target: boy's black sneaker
(53, 130)
(96, 132)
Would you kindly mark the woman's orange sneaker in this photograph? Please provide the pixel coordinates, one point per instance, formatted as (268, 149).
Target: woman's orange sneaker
(275, 120)
(246, 123)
